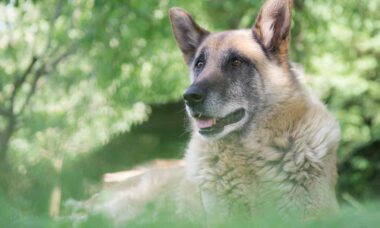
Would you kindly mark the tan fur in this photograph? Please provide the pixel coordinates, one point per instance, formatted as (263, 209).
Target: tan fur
(285, 158)
(275, 35)
(288, 158)
(291, 148)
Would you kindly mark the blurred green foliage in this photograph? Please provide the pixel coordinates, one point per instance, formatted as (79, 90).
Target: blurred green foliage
(76, 74)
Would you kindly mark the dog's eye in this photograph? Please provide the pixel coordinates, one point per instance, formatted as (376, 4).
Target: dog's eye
(236, 62)
(199, 64)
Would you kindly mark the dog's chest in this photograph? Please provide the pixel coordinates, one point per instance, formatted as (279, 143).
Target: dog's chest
(227, 172)
(239, 172)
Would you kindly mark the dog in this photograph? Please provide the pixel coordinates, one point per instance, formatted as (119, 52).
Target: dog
(259, 140)
(258, 134)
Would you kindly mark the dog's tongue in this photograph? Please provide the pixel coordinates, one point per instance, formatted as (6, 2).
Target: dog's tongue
(205, 123)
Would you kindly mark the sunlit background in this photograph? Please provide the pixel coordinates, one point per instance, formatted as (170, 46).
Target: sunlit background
(92, 87)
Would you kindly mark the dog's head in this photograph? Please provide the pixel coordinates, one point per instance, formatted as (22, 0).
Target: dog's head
(235, 74)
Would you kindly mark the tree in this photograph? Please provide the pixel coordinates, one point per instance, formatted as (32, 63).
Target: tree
(30, 52)
(74, 74)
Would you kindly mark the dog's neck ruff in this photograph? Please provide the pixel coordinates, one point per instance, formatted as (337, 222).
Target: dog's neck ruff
(283, 159)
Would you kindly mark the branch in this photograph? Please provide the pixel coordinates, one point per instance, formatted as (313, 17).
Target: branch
(57, 13)
(63, 56)
(32, 90)
(20, 81)
(44, 70)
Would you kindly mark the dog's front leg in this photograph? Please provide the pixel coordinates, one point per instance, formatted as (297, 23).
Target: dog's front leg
(213, 205)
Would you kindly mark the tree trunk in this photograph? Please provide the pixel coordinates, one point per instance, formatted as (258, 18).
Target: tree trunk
(5, 137)
(55, 196)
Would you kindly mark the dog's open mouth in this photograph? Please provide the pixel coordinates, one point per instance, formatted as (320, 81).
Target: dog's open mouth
(210, 125)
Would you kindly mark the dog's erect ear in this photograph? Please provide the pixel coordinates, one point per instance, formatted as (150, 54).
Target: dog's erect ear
(272, 27)
(188, 34)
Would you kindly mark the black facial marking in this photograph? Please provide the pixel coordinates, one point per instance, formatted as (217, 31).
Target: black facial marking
(230, 58)
(200, 61)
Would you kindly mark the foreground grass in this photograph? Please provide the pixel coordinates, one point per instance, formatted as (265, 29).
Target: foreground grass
(368, 215)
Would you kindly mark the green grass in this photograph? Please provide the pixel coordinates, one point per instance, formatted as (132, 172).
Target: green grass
(362, 215)
(367, 216)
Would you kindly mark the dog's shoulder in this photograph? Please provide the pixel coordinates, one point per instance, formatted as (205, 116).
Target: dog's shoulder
(320, 127)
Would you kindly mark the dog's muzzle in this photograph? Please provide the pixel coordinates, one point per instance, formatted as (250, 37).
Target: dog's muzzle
(207, 124)
(212, 125)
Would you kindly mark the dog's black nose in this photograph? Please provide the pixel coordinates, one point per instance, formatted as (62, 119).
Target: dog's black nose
(193, 95)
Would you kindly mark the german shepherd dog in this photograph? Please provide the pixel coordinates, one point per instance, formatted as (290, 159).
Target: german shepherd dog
(258, 133)
(259, 139)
